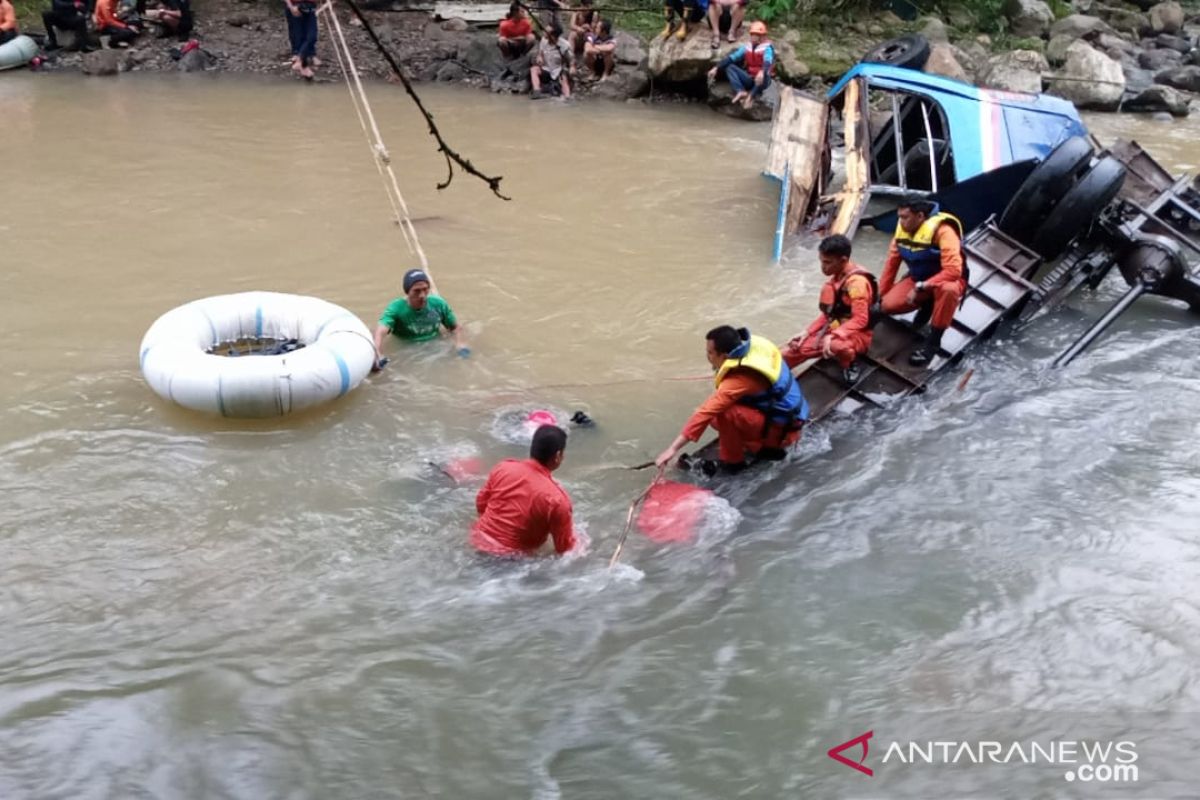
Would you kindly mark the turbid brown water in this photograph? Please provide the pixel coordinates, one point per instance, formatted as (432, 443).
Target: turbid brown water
(204, 608)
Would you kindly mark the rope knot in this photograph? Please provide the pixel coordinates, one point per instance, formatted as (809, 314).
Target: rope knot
(382, 154)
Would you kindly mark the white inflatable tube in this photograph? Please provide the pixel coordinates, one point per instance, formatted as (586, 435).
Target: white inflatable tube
(178, 363)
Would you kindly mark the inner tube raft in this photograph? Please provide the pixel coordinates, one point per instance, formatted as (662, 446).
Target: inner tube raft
(256, 354)
(18, 52)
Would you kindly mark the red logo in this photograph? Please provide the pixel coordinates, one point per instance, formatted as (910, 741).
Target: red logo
(836, 752)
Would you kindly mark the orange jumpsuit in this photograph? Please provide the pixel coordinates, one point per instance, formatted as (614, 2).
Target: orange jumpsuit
(850, 337)
(105, 15)
(946, 288)
(740, 427)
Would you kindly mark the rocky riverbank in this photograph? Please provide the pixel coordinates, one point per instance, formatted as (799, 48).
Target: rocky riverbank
(1113, 57)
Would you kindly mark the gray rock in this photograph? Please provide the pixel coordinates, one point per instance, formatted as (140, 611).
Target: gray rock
(942, 62)
(1056, 50)
(720, 94)
(1159, 99)
(933, 29)
(481, 53)
(625, 83)
(1090, 79)
(455, 24)
(1028, 18)
(672, 60)
(102, 62)
(875, 29)
(1161, 116)
(449, 71)
(629, 48)
(1172, 42)
(1115, 44)
(1080, 26)
(1185, 78)
(1159, 59)
(238, 20)
(1125, 20)
(790, 69)
(513, 76)
(1015, 71)
(1166, 17)
(969, 58)
(1136, 78)
(196, 60)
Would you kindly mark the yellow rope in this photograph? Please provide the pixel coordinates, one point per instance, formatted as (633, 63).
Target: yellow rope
(379, 151)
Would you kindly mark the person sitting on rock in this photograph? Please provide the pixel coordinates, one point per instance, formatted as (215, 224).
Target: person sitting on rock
(516, 32)
(553, 61)
(737, 13)
(599, 52)
(107, 24)
(690, 12)
(584, 23)
(749, 68)
(8, 22)
(175, 18)
(66, 15)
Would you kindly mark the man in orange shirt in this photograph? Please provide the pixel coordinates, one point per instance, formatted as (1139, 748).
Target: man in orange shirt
(929, 243)
(521, 507)
(516, 33)
(8, 22)
(107, 24)
(757, 406)
(849, 305)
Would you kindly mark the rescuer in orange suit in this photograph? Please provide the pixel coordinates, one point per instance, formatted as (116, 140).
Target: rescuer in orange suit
(849, 308)
(929, 242)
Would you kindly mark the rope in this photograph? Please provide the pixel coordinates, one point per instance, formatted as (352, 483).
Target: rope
(379, 151)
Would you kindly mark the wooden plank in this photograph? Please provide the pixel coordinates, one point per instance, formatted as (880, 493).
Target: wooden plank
(479, 13)
(857, 191)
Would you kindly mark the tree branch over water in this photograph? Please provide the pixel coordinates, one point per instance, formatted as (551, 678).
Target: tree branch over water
(452, 156)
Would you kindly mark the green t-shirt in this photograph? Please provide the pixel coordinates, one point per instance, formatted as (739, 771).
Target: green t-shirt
(418, 325)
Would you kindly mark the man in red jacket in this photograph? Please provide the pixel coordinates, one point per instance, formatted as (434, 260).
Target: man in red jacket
(849, 305)
(521, 507)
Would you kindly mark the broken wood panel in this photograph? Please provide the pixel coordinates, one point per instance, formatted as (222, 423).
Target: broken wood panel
(854, 197)
(477, 13)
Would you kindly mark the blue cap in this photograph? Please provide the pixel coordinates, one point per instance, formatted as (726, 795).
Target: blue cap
(414, 276)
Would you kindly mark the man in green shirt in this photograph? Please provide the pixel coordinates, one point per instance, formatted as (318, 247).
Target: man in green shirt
(418, 316)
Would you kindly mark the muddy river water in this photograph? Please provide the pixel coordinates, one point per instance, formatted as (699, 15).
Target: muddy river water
(204, 608)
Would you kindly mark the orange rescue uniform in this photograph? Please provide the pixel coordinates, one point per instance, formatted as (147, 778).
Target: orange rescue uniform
(849, 337)
(8, 18)
(740, 427)
(945, 288)
(105, 15)
(520, 507)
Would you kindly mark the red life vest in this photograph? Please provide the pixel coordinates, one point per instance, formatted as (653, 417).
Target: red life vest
(754, 59)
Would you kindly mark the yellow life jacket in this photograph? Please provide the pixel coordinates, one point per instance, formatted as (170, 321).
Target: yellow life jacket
(922, 257)
(783, 402)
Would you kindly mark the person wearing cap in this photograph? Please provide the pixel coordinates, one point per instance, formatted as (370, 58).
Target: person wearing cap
(749, 68)
(756, 406)
(521, 507)
(418, 316)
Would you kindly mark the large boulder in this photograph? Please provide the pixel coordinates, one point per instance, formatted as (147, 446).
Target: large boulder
(195, 60)
(1166, 17)
(630, 49)
(972, 56)
(1028, 18)
(790, 69)
(1185, 78)
(513, 77)
(933, 29)
(481, 54)
(1015, 71)
(102, 62)
(1125, 20)
(1089, 79)
(625, 83)
(1159, 98)
(681, 62)
(1080, 26)
(1159, 60)
(943, 62)
(1056, 50)
(1115, 46)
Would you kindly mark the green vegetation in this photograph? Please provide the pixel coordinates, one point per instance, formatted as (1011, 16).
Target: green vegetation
(29, 13)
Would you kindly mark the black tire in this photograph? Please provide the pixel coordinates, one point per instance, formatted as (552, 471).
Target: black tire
(1045, 186)
(910, 50)
(1079, 208)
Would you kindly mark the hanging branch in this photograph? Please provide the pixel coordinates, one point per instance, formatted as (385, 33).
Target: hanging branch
(452, 157)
